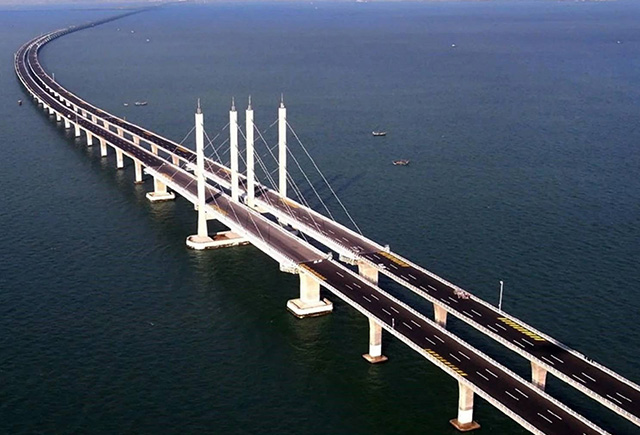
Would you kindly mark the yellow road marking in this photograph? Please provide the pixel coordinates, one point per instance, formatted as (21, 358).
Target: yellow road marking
(446, 362)
(521, 329)
(393, 258)
(313, 272)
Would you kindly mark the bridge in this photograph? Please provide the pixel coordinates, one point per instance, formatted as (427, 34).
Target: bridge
(244, 205)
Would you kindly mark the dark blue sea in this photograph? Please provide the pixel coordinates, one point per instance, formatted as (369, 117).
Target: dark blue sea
(521, 122)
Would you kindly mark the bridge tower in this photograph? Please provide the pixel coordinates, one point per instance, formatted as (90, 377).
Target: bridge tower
(251, 190)
(201, 239)
(282, 148)
(233, 150)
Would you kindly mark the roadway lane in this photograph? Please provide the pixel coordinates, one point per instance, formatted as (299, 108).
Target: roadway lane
(516, 394)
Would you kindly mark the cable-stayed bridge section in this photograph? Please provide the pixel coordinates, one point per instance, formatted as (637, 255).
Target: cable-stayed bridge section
(475, 372)
(545, 353)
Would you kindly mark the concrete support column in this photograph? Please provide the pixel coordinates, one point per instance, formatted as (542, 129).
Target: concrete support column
(175, 160)
(103, 147)
(119, 158)
(282, 149)
(538, 375)
(138, 166)
(233, 149)
(250, 157)
(89, 138)
(465, 422)
(154, 149)
(58, 117)
(440, 315)
(67, 123)
(159, 191)
(375, 343)
(119, 131)
(136, 140)
(76, 128)
(309, 303)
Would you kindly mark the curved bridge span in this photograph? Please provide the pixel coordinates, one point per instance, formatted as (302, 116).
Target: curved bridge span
(208, 187)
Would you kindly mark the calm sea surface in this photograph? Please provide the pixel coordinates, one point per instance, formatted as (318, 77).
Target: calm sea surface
(524, 146)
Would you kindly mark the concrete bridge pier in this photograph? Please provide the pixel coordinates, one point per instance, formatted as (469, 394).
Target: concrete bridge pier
(58, 117)
(538, 375)
(175, 159)
(67, 123)
(368, 272)
(375, 355)
(136, 140)
(103, 147)
(309, 304)
(138, 166)
(440, 315)
(159, 192)
(464, 422)
(89, 138)
(119, 158)
(119, 132)
(154, 149)
(76, 128)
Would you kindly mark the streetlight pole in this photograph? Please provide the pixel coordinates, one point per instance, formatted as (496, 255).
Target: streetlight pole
(500, 301)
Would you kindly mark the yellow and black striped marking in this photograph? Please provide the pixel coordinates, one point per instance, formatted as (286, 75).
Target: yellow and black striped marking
(446, 362)
(393, 258)
(313, 272)
(218, 209)
(519, 328)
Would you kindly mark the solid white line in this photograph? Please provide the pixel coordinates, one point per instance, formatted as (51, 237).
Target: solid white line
(522, 393)
(492, 328)
(547, 360)
(554, 414)
(416, 323)
(484, 377)
(405, 324)
(460, 352)
(544, 417)
(430, 341)
(613, 398)
(476, 312)
(454, 357)
(491, 373)
(438, 338)
(557, 359)
(581, 380)
(366, 299)
(375, 297)
(386, 311)
(588, 377)
(398, 312)
(500, 326)
(624, 397)
(512, 396)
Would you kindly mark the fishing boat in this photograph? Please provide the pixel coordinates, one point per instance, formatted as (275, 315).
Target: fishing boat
(19, 102)
(125, 104)
(379, 133)
(140, 103)
(401, 162)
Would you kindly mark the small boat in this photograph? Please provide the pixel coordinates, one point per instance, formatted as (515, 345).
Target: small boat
(125, 104)
(379, 133)
(19, 102)
(140, 103)
(401, 162)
